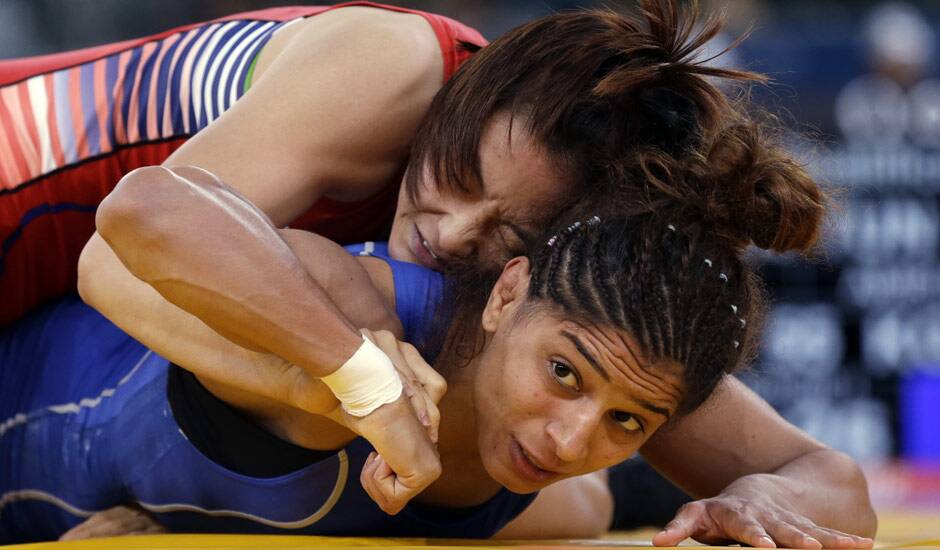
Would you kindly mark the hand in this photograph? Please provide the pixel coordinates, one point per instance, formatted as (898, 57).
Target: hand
(116, 522)
(742, 514)
(422, 384)
(406, 461)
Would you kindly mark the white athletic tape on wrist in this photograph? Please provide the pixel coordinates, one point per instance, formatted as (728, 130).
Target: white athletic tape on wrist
(366, 381)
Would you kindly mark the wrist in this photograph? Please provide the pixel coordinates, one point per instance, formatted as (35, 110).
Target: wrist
(366, 381)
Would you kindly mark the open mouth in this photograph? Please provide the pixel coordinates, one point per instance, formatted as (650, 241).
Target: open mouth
(528, 467)
(424, 252)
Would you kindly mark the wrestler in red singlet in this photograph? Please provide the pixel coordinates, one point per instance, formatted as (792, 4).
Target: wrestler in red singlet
(72, 124)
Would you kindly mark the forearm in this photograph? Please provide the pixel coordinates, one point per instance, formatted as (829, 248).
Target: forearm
(210, 252)
(824, 485)
(177, 335)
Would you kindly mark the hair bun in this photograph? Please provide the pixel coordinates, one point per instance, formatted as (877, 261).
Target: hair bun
(743, 188)
(758, 194)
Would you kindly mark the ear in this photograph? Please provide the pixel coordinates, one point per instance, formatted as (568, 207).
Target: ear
(508, 293)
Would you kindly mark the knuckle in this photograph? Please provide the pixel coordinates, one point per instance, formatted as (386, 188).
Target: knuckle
(431, 471)
(694, 507)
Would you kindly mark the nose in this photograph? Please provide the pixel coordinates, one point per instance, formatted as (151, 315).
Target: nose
(460, 230)
(571, 433)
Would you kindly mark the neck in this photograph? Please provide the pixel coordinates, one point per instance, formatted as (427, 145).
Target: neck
(464, 481)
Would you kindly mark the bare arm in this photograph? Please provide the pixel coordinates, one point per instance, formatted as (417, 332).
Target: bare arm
(736, 444)
(208, 250)
(136, 307)
(332, 111)
(248, 285)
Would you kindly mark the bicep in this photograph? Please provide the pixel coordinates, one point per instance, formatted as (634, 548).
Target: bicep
(333, 115)
(735, 433)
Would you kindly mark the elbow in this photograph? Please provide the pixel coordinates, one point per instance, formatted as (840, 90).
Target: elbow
(138, 199)
(139, 220)
(86, 271)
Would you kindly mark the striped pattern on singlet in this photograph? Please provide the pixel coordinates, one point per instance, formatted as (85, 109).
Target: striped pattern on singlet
(170, 87)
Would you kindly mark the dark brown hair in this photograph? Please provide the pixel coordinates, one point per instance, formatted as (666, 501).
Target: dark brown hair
(590, 86)
(663, 258)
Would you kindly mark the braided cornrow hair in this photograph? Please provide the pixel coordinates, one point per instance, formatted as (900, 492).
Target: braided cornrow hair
(649, 277)
(667, 266)
(662, 259)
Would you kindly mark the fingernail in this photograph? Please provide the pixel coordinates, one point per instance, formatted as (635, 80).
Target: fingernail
(769, 541)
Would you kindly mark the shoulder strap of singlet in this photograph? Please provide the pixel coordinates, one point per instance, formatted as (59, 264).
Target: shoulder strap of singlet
(449, 33)
(418, 293)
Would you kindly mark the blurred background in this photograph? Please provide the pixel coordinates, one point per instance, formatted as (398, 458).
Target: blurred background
(852, 347)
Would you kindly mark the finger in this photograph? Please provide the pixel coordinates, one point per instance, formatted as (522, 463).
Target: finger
(434, 418)
(740, 525)
(434, 384)
(682, 526)
(412, 387)
(791, 536)
(419, 403)
(367, 480)
(382, 470)
(831, 538)
(395, 495)
(378, 480)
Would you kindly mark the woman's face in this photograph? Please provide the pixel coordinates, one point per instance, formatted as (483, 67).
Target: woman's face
(520, 184)
(556, 398)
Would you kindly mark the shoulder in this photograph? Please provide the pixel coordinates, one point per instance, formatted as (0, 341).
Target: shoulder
(363, 33)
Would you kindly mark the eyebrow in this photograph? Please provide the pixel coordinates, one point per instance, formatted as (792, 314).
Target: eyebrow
(587, 355)
(653, 408)
(597, 366)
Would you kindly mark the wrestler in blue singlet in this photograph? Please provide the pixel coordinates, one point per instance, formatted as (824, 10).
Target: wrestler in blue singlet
(86, 424)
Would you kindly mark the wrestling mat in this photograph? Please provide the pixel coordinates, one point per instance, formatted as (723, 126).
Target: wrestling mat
(903, 530)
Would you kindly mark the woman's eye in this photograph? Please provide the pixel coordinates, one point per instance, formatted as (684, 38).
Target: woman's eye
(565, 375)
(627, 421)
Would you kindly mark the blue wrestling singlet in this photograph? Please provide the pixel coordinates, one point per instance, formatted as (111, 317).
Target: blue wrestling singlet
(85, 425)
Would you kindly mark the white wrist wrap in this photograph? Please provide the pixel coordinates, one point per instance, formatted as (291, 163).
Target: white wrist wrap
(366, 381)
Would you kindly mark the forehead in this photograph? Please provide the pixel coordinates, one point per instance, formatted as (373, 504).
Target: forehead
(516, 170)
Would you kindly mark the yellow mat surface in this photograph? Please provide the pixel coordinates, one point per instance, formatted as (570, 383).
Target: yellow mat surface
(220, 542)
(896, 530)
